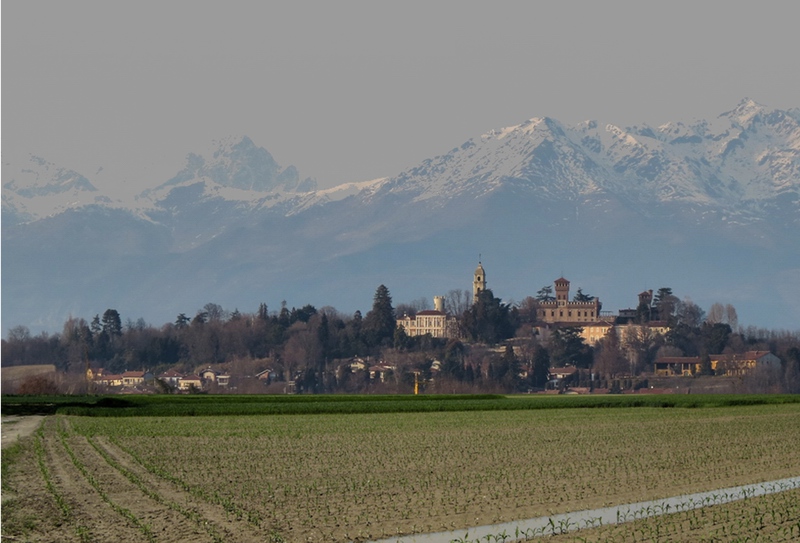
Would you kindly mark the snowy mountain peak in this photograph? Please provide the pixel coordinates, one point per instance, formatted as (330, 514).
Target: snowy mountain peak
(40, 177)
(745, 112)
(39, 189)
(238, 163)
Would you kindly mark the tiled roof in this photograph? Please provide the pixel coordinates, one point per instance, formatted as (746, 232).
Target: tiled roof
(678, 360)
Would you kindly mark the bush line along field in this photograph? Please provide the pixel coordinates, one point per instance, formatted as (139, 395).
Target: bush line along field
(361, 476)
(230, 405)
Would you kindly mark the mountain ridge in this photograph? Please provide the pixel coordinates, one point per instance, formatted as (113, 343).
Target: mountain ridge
(236, 223)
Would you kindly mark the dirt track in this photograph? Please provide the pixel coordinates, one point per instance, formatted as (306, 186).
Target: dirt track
(15, 427)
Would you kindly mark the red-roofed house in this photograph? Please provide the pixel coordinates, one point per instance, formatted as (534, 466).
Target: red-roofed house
(742, 363)
(132, 378)
(171, 377)
(189, 381)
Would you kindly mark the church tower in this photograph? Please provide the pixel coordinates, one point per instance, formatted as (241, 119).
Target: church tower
(478, 283)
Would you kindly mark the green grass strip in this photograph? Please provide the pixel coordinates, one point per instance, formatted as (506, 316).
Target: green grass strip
(235, 405)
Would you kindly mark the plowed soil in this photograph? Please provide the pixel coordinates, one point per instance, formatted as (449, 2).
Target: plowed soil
(98, 493)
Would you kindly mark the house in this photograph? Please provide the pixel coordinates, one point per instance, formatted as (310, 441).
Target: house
(743, 363)
(190, 381)
(627, 332)
(108, 379)
(267, 375)
(595, 331)
(381, 371)
(132, 378)
(211, 376)
(435, 322)
(171, 377)
(667, 366)
(721, 364)
(561, 375)
(357, 364)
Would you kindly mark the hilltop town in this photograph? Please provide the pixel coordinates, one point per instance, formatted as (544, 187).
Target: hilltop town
(551, 342)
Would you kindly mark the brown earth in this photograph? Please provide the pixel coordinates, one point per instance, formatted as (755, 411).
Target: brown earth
(104, 495)
(15, 427)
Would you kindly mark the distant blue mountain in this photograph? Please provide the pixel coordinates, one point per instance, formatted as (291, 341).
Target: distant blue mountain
(710, 209)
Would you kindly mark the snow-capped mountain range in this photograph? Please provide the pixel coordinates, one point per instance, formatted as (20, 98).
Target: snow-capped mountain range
(581, 201)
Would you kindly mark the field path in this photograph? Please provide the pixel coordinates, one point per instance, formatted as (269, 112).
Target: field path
(15, 427)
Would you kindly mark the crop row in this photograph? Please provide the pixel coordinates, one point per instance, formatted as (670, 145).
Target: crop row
(341, 477)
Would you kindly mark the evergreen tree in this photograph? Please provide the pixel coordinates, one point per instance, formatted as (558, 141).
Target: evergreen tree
(581, 297)
(705, 365)
(489, 320)
(508, 370)
(715, 337)
(545, 294)
(96, 327)
(541, 367)
(453, 363)
(643, 313)
(665, 302)
(112, 324)
(284, 317)
(182, 321)
(380, 322)
(567, 348)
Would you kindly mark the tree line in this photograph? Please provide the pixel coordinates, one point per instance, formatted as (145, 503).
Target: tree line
(311, 346)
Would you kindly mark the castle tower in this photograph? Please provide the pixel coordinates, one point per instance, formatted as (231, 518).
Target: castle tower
(438, 303)
(562, 291)
(478, 283)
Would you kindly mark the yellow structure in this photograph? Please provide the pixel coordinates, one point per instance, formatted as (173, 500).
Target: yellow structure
(435, 322)
(626, 333)
(563, 311)
(721, 364)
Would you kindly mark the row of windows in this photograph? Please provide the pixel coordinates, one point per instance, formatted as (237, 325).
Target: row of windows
(569, 313)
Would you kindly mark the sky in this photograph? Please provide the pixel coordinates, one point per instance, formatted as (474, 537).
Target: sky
(351, 90)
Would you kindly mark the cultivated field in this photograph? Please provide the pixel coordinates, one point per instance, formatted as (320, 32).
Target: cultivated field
(769, 519)
(341, 477)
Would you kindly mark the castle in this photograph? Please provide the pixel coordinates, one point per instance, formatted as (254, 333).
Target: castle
(562, 310)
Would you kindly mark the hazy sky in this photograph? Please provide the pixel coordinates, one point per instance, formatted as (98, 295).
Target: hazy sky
(350, 91)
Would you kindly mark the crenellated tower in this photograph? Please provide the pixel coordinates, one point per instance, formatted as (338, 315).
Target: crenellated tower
(562, 291)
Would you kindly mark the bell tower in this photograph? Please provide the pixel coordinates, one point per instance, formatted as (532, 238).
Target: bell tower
(478, 282)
